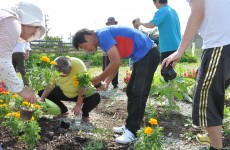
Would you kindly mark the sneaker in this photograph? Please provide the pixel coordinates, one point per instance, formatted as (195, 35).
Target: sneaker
(119, 129)
(126, 138)
(203, 139)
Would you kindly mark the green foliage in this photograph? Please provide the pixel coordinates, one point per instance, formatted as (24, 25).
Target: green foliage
(94, 145)
(42, 72)
(97, 142)
(52, 38)
(168, 91)
(226, 112)
(27, 131)
(31, 133)
(188, 58)
(149, 138)
(96, 59)
(82, 80)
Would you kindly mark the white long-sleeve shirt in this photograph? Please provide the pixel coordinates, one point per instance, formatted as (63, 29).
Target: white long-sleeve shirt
(22, 47)
(10, 30)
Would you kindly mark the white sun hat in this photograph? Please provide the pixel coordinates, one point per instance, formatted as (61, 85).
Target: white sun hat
(31, 15)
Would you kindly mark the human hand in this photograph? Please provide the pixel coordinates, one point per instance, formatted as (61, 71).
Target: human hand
(41, 99)
(103, 86)
(96, 80)
(76, 109)
(174, 57)
(28, 94)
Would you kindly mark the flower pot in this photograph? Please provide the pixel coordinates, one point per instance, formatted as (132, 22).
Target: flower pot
(26, 114)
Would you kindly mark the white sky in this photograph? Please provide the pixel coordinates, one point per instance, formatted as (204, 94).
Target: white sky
(65, 17)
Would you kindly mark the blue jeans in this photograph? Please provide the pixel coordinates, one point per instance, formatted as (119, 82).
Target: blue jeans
(138, 88)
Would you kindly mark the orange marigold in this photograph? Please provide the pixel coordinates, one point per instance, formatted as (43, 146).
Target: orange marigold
(153, 121)
(53, 63)
(148, 130)
(37, 106)
(45, 59)
(25, 103)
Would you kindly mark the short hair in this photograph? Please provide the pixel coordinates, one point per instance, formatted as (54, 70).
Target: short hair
(134, 21)
(161, 1)
(63, 64)
(79, 37)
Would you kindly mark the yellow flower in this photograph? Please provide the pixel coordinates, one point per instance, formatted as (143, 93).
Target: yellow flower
(76, 83)
(17, 114)
(75, 78)
(14, 114)
(1, 101)
(25, 103)
(6, 93)
(148, 130)
(37, 106)
(45, 59)
(153, 121)
(3, 105)
(32, 118)
(15, 96)
(53, 63)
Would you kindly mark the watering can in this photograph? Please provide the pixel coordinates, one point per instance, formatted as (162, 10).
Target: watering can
(49, 107)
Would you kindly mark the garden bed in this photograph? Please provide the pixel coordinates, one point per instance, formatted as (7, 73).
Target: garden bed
(110, 112)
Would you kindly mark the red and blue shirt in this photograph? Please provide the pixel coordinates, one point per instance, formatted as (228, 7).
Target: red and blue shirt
(130, 42)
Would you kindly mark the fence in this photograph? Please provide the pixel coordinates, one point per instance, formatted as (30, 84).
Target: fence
(58, 47)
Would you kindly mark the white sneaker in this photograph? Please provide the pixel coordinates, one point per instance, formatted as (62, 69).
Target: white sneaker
(126, 138)
(119, 129)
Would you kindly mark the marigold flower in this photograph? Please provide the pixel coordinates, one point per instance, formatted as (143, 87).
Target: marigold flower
(15, 96)
(148, 130)
(53, 63)
(45, 59)
(17, 114)
(5, 92)
(74, 78)
(37, 106)
(76, 83)
(14, 114)
(3, 105)
(32, 118)
(1, 101)
(153, 121)
(25, 103)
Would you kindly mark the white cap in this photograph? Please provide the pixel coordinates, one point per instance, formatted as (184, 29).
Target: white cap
(31, 15)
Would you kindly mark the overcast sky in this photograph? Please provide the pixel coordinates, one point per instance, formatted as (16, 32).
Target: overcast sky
(65, 17)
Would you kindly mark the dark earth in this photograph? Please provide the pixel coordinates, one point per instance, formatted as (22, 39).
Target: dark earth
(108, 114)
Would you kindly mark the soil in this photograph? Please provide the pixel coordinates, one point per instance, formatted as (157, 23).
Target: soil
(56, 135)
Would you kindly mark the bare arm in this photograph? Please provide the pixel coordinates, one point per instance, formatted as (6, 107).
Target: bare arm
(193, 24)
(80, 98)
(111, 69)
(146, 25)
(46, 92)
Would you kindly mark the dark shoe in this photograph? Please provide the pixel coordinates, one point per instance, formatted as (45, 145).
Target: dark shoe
(85, 119)
(115, 86)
